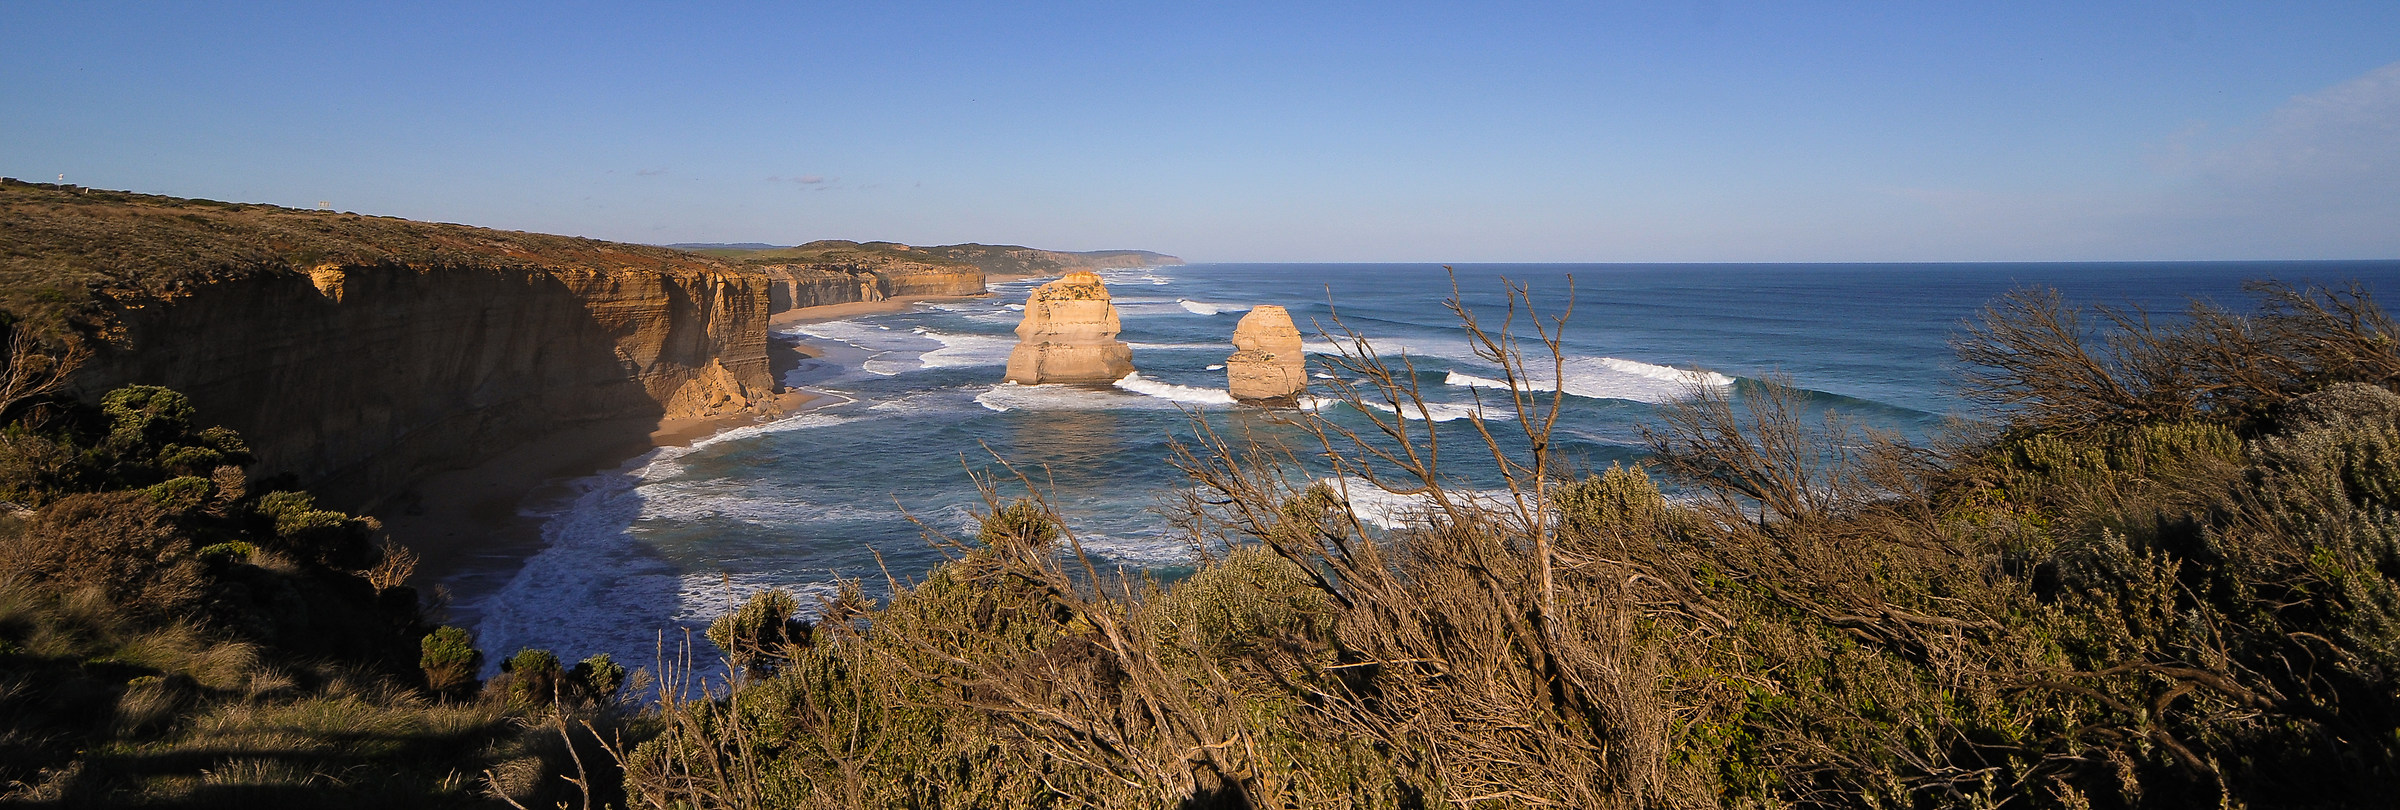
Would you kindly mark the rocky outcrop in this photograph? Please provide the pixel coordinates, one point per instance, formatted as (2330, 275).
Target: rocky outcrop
(1069, 335)
(1267, 366)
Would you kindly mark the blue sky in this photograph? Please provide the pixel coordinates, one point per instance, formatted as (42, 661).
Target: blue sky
(1673, 131)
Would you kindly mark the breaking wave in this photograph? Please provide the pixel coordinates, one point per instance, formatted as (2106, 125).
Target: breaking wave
(965, 351)
(1439, 411)
(1145, 386)
(1612, 378)
(1206, 308)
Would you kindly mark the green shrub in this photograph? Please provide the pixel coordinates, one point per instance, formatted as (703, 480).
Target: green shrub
(1618, 503)
(598, 678)
(322, 535)
(755, 636)
(1022, 522)
(1248, 602)
(449, 660)
(144, 418)
(228, 551)
(186, 492)
(534, 678)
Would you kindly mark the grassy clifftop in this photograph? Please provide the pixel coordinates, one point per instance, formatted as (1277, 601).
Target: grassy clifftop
(60, 244)
(997, 260)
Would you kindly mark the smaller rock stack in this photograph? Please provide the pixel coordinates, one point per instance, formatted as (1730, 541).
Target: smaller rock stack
(1069, 335)
(1267, 367)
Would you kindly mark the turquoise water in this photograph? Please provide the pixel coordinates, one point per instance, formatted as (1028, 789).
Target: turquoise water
(914, 402)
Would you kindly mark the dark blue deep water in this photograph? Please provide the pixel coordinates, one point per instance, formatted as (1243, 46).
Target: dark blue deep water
(914, 399)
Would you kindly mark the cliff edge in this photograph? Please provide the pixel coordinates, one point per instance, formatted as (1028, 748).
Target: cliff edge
(360, 353)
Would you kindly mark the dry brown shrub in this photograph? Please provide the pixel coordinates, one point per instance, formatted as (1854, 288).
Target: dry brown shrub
(119, 542)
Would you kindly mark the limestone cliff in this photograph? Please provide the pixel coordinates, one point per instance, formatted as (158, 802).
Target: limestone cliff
(1069, 335)
(840, 272)
(1267, 366)
(1012, 261)
(361, 353)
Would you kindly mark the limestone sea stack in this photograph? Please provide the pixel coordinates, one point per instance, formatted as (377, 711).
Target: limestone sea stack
(1069, 335)
(1267, 367)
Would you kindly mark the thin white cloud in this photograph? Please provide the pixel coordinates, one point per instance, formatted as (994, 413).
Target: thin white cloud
(2319, 177)
(2316, 178)
(2344, 134)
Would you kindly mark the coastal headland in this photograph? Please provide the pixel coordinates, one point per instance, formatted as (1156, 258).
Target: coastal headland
(435, 375)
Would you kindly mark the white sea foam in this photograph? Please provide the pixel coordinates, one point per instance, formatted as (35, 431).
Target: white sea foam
(1611, 378)
(1390, 350)
(702, 597)
(850, 332)
(1009, 396)
(1145, 386)
(1134, 275)
(1207, 308)
(1203, 347)
(919, 403)
(889, 368)
(1149, 551)
(965, 351)
(712, 500)
(1387, 510)
(800, 421)
(593, 587)
(1439, 411)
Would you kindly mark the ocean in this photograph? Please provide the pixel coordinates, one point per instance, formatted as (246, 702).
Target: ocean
(914, 406)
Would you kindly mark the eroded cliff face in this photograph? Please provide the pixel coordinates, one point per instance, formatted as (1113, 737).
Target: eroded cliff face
(1267, 366)
(361, 353)
(1069, 335)
(1014, 261)
(362, 379)
(815, 284)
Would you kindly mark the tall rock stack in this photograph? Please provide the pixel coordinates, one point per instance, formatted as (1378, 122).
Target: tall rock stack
(1267, 367)
(1069, 335)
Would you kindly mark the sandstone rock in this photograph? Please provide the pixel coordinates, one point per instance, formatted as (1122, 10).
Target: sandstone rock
(1069, 335)
(1267, 366)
